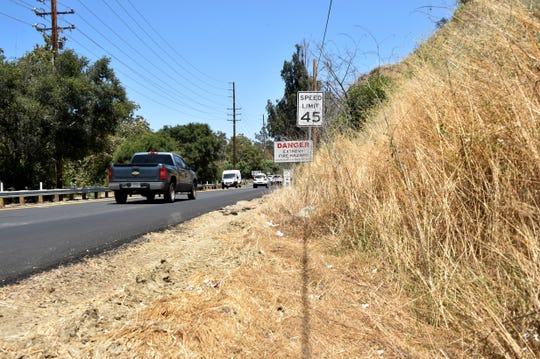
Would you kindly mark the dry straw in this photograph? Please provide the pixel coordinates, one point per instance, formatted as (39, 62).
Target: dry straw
(444, 182)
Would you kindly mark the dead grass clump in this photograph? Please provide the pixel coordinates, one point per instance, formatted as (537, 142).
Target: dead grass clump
(287, 302)
(444, 182)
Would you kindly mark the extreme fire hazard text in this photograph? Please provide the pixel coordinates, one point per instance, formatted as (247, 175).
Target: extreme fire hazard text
(293, 151)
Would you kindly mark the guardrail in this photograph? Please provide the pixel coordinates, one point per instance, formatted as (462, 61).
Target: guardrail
(56, 194)
(202, 187)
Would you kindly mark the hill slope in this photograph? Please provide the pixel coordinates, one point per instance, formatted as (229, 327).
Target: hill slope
(418, 237)
(443, 185)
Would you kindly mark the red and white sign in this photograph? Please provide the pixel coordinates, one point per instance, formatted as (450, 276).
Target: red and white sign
(293, 151)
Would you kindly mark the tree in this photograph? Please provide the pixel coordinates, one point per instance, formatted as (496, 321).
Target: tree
(282, 115)
(132, 126)
(92, 169)
(199, 146)
(159, 142)
(249, 156)
(365, 95)
(79, 104)
(24, 156)
(266, 146)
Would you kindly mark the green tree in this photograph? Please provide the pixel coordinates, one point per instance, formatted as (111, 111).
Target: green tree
(200, 147)
(132, 127)
(248, 154)
(92, 169)
(159, 142)
(79, 104)
(282, 115)
(264, 143)
(364, 96)
(24, 156)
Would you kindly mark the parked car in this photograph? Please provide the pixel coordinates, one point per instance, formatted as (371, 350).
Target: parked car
(260, 180)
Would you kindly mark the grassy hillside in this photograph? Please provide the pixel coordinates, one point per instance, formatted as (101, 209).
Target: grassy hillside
(443, 185)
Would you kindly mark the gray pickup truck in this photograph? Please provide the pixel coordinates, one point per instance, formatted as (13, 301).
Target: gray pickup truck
(151, 173)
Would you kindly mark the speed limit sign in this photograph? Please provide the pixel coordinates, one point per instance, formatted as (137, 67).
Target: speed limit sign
(310, 109)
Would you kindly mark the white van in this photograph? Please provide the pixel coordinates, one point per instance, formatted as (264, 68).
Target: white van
(231, 178)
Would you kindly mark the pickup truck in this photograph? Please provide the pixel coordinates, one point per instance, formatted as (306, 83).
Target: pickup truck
(151, 173)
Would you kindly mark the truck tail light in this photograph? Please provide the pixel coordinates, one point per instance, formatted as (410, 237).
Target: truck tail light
(110, 173)
(162, 173)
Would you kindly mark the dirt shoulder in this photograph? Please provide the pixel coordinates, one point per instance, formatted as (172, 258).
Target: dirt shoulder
(231, 283)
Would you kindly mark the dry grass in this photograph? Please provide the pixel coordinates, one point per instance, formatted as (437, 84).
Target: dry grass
(291, 299)
(444, 183)
(219, 286)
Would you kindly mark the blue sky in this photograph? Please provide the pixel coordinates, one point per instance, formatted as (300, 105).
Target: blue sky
(177, 59)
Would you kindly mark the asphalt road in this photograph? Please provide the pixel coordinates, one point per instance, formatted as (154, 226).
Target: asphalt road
(39, 238)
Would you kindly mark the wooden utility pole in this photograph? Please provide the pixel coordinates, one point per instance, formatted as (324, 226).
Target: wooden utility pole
(54, 29)
(234, 126)
(264, 138)
(54, 44)
(54, 26)
(315, 89)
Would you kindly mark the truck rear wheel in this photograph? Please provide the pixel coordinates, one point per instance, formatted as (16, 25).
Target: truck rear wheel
(193, 193)
(170, 195)
(120, 197)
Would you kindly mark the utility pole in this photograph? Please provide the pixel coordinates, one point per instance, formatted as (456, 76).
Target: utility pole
(264, 139)
(54, 25)
(234, 126)
(54, 29)
(315, 89)
(55, 45)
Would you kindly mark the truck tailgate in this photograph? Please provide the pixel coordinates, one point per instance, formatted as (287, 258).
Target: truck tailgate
(136, 172)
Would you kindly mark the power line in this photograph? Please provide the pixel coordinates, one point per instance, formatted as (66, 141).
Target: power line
(165, 90)
(176, 52)
(16, 19)
(160, 57)
(137, 79)
(325, 30)
(136, 54)
(22, 4)
(148, 61)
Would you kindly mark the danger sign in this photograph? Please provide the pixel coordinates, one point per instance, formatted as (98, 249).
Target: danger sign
(293, 151)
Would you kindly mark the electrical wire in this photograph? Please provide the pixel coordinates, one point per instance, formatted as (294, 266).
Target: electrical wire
(149, 24)
(22, 4)
(16, 19)
(156, 70)
(146, 78)
(195, 100)
(325, 30)
(164, 88)
(174, 69)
